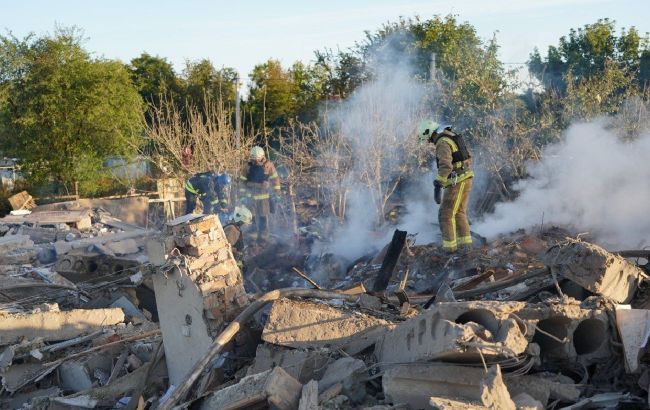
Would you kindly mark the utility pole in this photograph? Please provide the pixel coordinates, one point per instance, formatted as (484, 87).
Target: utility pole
(237, 113)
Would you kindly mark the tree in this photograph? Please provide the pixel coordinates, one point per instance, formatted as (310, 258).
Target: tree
(63, 112)
(586, 53)
(203, 82)
(271, 100)
(154, 77)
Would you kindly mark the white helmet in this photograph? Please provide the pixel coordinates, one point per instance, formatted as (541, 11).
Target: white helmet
(257, 153)
(242, 214)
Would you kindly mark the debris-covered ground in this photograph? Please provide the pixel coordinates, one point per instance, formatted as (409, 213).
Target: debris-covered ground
(100, 312)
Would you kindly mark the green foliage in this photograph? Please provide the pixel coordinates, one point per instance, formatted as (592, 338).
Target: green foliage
(63, 112)
(203, 82)
(590, 51)
(154, 77)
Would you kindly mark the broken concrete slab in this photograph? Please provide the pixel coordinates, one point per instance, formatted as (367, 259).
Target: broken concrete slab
(89, 267)
(585, 331)
(450, 385)
(302, 365)
(274, 388)
(634, 328)
(80, 219)
(10, 243)
(180, 311)
(23, 400)
(544, 386)
(415, 383)
(17, 375)
(309, 396)
(595, 269)
(63, 247)
(300, 324)
(348, 372)
(524, 401)
(430, 337)
(128, 307)
(494, 393)
(74, 376)
(52, 326)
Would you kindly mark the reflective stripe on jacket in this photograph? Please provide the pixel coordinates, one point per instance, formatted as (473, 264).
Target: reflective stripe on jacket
(449, 172)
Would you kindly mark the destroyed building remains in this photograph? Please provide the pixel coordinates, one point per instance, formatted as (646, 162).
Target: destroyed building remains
(99, 311)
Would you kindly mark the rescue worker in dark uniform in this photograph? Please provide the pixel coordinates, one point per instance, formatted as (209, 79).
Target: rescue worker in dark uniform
(455, 179)
(210, 188)
(260, 184)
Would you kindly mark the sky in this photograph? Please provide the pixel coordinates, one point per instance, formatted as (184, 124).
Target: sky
(243, 33)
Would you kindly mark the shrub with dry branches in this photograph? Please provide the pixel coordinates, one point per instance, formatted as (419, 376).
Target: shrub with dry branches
(208, 134)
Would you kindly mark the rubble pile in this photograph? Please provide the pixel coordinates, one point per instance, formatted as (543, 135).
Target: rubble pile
(102, 313)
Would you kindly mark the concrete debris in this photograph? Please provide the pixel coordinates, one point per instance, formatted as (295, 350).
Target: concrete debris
(595, 269)
(199, 294)
(634, 329)
(430, 337)
(487, 391)
(50, 326)
(274, 388)
(494, 393)
(74, 377)
(91, 303)
(314, 325)
(302, 365)
(523, 401)
(347, 371)
(416, 384)
(309, 396)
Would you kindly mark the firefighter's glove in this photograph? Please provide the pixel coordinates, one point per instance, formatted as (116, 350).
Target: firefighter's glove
(437, 191)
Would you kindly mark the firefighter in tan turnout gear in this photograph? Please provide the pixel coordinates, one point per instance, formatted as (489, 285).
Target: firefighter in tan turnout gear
(455, 179)
(260, 190)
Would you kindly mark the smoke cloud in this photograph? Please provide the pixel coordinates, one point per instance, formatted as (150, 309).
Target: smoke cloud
(592, 182)
(378, 123)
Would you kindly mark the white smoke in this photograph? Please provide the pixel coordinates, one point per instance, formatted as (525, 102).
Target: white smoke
(592, 181)
(378, 122)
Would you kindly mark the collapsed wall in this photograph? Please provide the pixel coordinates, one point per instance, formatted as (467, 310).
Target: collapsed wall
(198, 287)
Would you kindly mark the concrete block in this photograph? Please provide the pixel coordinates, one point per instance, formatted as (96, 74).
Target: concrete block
(586, 330)
(55, 325)
(74, 376)
(274, 388)
(544, 387)
(129, 308)
(416, 383)
(347, 371)
(595, 269)
(524, 401)
(309, 396)
(449, 385)
(12, 242)
(494, 393)
(302, 365)
(300, 324)
(430, 337)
